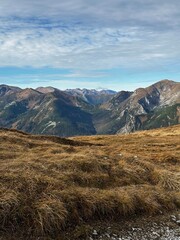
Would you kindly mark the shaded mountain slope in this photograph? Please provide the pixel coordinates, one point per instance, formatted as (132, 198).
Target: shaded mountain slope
(53, 113)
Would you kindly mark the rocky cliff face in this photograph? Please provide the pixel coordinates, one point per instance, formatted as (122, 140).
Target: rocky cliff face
(134, 110)
(87, 112)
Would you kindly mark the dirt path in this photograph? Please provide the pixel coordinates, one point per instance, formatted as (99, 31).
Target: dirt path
(162, 227)
(159, 228)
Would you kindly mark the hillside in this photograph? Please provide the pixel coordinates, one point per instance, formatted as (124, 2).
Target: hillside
(50, 186)
(145, 108)
(50, 111)
(54, 113)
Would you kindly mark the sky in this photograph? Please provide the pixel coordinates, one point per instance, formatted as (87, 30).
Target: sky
(100, 44)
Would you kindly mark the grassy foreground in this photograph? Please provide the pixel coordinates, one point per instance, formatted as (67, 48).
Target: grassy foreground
(49, 185)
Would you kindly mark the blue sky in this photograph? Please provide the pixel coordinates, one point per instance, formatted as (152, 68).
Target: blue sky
(115, 44)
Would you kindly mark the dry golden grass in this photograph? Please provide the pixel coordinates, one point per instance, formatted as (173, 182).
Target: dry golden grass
(48, 184)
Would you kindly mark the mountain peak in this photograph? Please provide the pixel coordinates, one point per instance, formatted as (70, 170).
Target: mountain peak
(5, 89)
(92, 96)
(165, 82)
(84, 111)
(45, 89)
(28, 92)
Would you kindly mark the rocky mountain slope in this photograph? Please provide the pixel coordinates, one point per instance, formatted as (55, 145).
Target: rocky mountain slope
(151, 107)
(53, 113)
(88, 112)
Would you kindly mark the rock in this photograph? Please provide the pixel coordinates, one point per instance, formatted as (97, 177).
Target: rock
(107, 235)
(114, 235)
(178, 222)
(136, 229)
(95, 233)
(155, 233)
(173, 218)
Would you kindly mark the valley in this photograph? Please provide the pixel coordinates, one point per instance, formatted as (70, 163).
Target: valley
(50, 111)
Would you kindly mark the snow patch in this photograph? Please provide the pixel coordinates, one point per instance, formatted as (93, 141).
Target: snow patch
(50, 124)
(147, 101)
(10, 104)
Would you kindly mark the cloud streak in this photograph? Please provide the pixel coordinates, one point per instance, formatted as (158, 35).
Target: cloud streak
(78, 47)
(91, 11)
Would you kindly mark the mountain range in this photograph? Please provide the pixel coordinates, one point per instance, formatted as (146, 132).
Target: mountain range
(50, 111)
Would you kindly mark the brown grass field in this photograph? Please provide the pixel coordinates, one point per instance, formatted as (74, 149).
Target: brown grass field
(49, 185)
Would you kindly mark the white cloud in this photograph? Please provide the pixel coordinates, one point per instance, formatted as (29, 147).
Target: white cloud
(79, 47)
(109, 11)
(90, 35)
